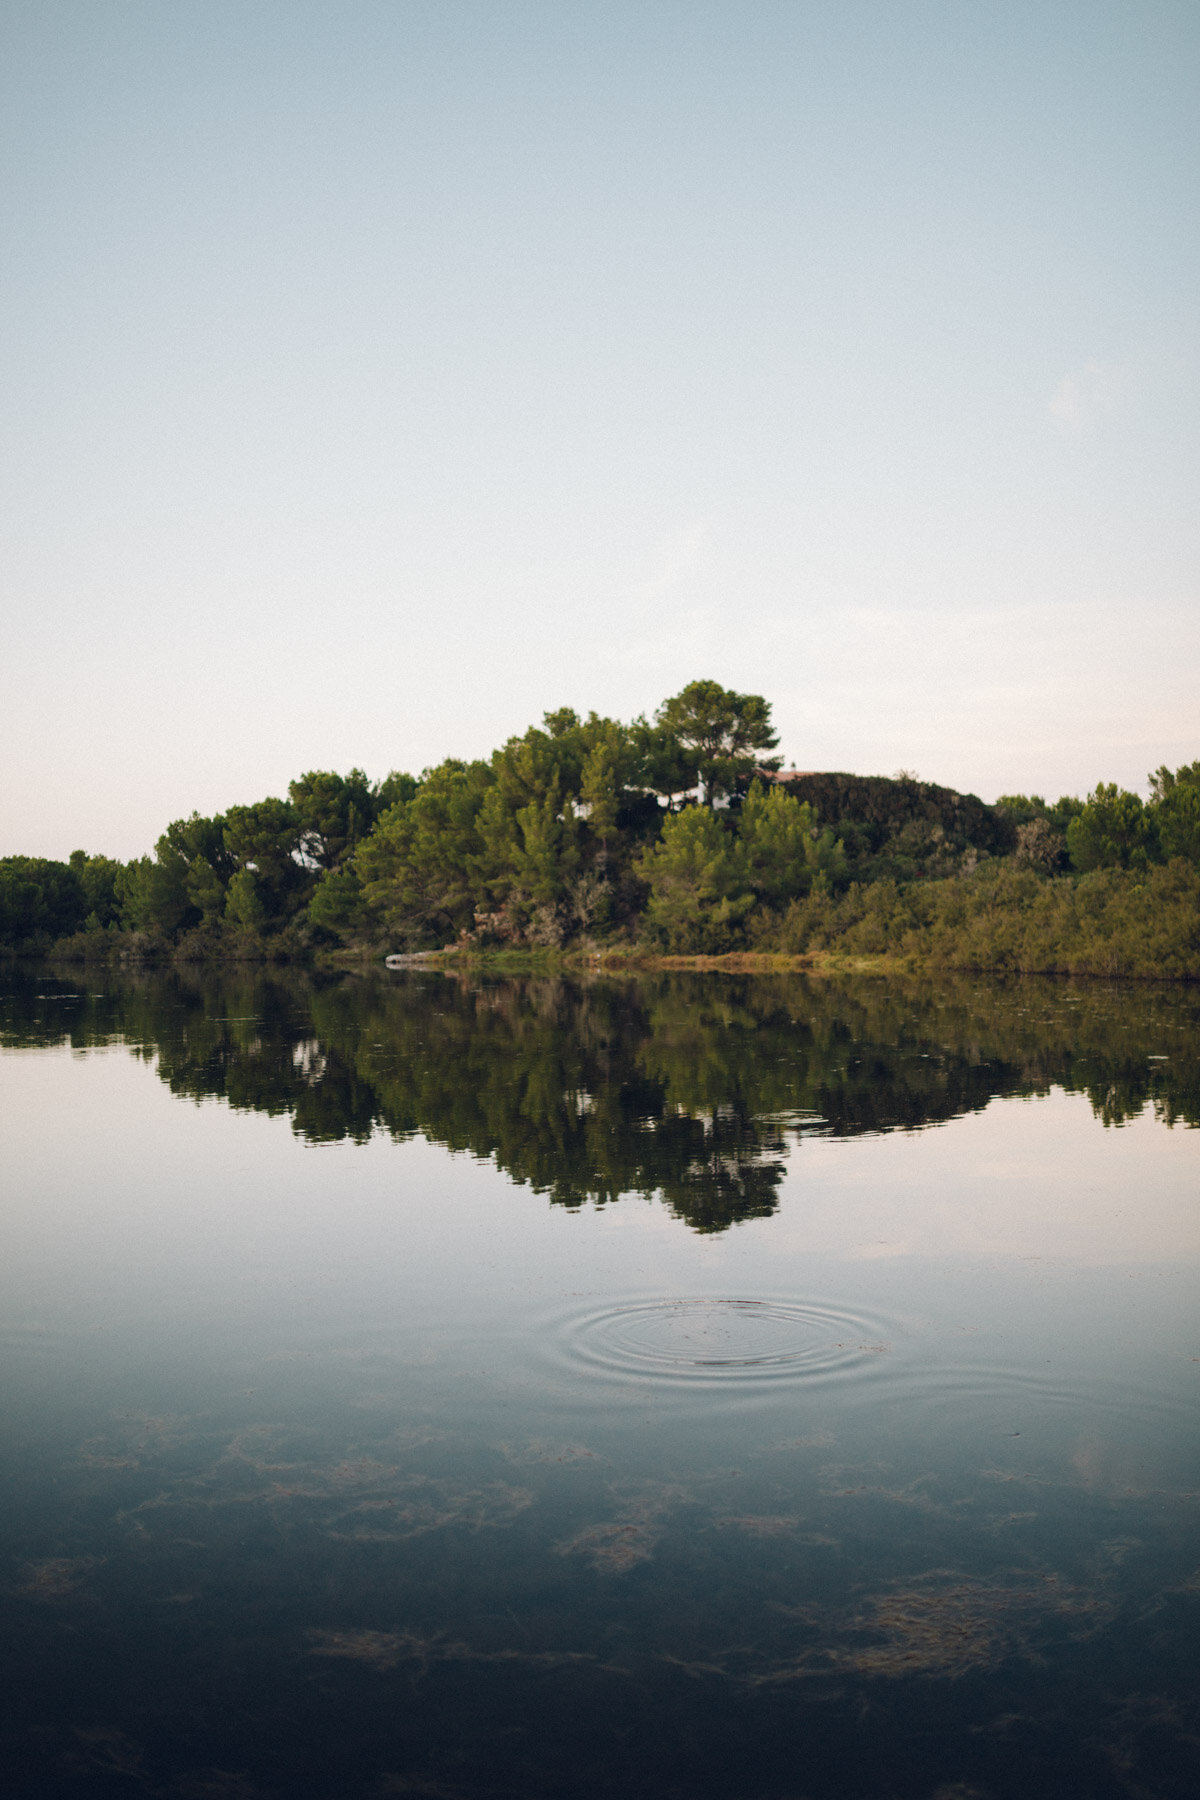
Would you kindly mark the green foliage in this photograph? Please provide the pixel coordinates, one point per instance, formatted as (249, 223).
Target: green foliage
(546, 855)
(1040, 830)
(609, 769)
(1112, 831)
(904, 829)
(198, 839)
(206, 889)
(267, 838)
(154, 894)
(1022, 807)
(243, 904)
(419, 869)
(185, 885)
(698, 893)
(337, 904)
(393, 788)
(39, 899)
(526, 768)
(334, 813)
(531, 847)
(665, 766)
(716, 736)
(1164, 781)
(562, 836)
(1175, 804)
(1063, 811)
(782, 849)
(1144, 924)
(100, 877)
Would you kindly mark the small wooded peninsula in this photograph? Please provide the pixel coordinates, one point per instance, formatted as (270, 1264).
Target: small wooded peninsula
(681, 835)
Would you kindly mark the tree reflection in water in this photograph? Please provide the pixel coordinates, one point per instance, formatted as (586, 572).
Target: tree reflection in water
(689, 1087)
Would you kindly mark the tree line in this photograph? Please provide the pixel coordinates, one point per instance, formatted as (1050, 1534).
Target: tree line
(669, 833)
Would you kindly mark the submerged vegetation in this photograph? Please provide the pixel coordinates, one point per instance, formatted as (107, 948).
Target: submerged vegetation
(678, 835)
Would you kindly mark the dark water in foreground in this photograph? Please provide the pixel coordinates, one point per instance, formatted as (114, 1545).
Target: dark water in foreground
(694, 1387)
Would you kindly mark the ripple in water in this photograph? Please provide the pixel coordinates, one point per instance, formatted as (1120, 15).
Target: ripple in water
(727, 1340)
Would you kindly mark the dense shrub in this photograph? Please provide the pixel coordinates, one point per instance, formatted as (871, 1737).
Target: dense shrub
(39, 899)
(1143, 923)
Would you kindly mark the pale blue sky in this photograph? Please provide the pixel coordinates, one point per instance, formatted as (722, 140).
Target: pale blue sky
(378, 376)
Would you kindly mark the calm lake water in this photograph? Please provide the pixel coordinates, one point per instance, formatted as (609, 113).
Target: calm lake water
(757, 1389)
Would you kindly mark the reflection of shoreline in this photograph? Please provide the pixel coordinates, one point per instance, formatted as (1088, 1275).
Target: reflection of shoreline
(605, 961)
(672, 1086)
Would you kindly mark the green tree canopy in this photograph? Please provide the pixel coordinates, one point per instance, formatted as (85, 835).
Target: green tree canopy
(244, 904)
(1113, 831)
(334, 813)
(39, 898)
(154, 894)
(419, 869)
(698, 893)
(198, 838)
(100, 877)
(394, 787)
(721, 736)
(1175, 805)
(337, 903)
(188, 880)
(781, 847)
(267, 838)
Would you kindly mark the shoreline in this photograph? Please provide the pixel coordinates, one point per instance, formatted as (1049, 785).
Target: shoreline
(615, 962)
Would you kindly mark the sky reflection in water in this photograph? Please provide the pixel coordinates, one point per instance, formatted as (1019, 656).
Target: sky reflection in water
(529, 1388)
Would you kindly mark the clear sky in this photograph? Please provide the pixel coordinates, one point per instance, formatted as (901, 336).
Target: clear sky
(376, 376)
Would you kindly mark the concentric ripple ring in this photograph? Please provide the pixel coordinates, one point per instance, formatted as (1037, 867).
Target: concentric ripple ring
(707, 1338)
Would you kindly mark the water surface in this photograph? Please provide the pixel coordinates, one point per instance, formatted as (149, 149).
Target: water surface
(690, 1387)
